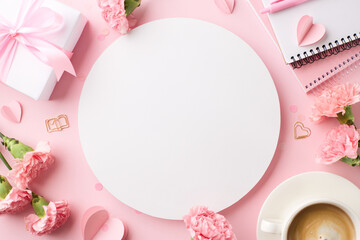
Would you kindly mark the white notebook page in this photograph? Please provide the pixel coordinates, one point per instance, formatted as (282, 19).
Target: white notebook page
(341, 19)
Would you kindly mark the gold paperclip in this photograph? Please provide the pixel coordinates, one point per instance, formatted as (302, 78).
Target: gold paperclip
(57, 124)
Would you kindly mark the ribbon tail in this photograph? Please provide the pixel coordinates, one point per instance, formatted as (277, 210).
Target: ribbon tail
(53, 56)
(7, 55)
(61, 63)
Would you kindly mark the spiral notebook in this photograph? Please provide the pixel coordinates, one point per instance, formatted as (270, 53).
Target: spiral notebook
(337, 50)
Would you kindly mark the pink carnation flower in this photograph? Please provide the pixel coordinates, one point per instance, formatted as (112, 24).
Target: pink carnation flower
(204, 224)
(33, 163)
(15, 201)
(109, 3)
(56, 214)
(340, 142)
(113, 11)
(333, 101)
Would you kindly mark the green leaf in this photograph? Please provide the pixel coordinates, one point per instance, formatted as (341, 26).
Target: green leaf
(5, 187)
(16, 148)
(352, 162)
(38, 203)
(131, 5)
(347, 118)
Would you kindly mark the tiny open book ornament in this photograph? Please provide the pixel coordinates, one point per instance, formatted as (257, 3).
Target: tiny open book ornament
(300, 131)
(57, 124)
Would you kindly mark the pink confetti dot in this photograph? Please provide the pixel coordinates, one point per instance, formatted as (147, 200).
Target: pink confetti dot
(99, 187)
(101, 37)
(293, 108)
(105, 227)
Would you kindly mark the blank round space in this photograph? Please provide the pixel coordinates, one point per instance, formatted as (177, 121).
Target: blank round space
(179, 113)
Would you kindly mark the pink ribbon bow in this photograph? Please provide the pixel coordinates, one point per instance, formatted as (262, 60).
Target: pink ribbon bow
(33, 26)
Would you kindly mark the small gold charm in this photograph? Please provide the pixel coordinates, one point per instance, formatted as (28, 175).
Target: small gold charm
(305, 131)
(57, 124)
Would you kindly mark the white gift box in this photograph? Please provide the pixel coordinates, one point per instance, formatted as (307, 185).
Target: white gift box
(28, 74)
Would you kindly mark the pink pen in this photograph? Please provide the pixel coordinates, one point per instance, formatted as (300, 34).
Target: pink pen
(279, 5)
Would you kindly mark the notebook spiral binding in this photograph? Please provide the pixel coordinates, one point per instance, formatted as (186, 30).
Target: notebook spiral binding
(342, 77)
(325, 51)
(337, 72)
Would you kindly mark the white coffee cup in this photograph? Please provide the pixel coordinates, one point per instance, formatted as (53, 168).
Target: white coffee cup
(281, 226)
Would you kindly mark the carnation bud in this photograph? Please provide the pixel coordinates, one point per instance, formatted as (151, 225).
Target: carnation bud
(37, 203)
(5, 187)
(16, 148)
(131, 5)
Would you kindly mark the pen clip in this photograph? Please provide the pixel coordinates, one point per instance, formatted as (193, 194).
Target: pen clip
(276, 1)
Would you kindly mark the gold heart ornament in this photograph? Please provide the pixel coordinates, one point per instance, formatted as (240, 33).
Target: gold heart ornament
(300, 131)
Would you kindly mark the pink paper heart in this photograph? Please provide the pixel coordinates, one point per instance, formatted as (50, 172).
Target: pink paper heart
(12, 111)
(309, 33)
(113, 229)
(226, 6)
(97, 225)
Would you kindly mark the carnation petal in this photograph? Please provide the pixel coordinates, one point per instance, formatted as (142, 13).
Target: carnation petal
(57, 213)
(340, 142)
(15, 201)
(204, 224)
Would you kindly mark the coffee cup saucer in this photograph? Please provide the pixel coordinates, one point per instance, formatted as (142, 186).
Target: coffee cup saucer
(301, 188)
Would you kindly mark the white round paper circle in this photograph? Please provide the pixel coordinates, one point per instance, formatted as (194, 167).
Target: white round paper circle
(179, 113)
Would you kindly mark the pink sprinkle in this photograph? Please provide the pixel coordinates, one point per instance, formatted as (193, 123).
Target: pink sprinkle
(105, 227)
(99, 187)
(293, 108)
(101, 37)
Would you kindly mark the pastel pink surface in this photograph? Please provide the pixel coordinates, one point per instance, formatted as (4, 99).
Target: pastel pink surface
(309, 33)
(12, 111)
(293, 108)
(226, 6)
(71, 177)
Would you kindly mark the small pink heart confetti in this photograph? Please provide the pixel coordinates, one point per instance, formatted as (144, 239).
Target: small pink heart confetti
(226, 6)
(309, 33)
(12, 111)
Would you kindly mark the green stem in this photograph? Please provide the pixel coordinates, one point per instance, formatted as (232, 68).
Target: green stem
(5, 162)
(347, 118)
(2, 135)
(352, 162)
(131, 5)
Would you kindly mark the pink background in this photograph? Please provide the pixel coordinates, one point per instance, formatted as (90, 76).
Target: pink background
(72, 179)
